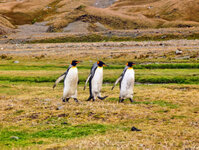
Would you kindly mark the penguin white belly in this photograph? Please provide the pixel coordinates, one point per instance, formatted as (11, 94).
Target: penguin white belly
(96, 82)
(70, 83)
(127, 84)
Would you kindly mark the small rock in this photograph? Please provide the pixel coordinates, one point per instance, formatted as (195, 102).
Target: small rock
(150, 7)
(163, 37)
(178, 52)
(2, 48)
(14, 137)
(122, 44)
(183, 58)
(59, 108)
(16, 62)
(161, 44)
(135, 129)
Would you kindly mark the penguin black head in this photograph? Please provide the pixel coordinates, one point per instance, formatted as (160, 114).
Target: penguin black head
(101, 64)
(74, 62)
(130, 64)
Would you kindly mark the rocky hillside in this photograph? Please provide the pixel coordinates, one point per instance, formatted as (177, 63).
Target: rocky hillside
(122, 14)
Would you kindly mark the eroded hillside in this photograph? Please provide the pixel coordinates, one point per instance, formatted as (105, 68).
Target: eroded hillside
(122, 14)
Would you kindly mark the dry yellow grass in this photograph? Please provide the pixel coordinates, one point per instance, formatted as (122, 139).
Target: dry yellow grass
(166, 114)
(162, 126)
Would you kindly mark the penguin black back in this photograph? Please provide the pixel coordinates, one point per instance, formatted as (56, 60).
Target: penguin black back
(92, 74)
(128, 65)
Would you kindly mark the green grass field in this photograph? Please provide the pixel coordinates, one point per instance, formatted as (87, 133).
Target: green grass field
(34, 117)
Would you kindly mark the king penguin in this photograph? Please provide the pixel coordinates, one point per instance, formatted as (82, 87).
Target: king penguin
(95, 79)
(70, 82)
(126, 79)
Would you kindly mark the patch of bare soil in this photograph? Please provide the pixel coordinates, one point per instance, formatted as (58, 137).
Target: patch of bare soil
(103, 3)
(150, 50)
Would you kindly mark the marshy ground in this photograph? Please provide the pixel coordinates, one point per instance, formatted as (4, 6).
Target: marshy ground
(34, 117)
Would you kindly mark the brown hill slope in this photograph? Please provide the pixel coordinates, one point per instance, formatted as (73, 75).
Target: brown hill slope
(130, 14)
(123, 14)
(27, 12)
(171, 12)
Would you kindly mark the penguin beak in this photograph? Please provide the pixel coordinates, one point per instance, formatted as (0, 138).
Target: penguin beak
(106, 65)
(133, 64)
(78, 62)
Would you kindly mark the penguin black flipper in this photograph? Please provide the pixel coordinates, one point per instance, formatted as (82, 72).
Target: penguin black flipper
(122, 75)
(90, 77)
(116, 82)
(92, 72)
(62, 77)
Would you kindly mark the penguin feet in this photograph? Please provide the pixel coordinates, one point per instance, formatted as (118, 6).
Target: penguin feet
(121, 100)
(75, 99)
(89, 98)
(102, 98)
(131, 100)
(65, 99)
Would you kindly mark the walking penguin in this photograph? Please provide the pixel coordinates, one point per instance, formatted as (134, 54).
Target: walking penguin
(126, 79)
(95, 79)
(70, 82)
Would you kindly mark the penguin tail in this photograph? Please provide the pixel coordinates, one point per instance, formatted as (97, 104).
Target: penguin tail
(54, 86)
(84, 87)
(112, 88)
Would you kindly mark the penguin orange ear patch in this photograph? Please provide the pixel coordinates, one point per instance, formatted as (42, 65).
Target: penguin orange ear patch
(98, 62)
(127, 64)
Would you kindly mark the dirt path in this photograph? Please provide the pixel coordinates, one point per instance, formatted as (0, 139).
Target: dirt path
(107, 50)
